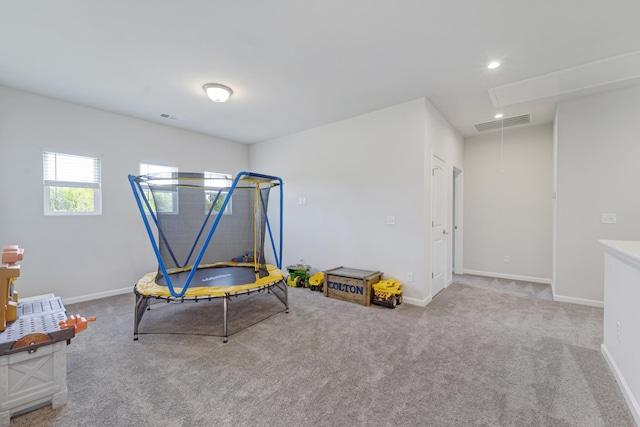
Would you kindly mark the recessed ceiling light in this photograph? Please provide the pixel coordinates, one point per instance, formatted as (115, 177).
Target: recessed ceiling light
(492, 65)
(499, 116)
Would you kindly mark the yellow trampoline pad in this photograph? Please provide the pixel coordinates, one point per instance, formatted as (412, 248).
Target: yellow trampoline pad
(210, 280)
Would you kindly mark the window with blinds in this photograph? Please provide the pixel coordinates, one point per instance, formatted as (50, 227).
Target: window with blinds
(71, 184)
(160, 201)
(216, 198)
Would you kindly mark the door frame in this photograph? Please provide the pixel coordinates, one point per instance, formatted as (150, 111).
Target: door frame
(457, 222)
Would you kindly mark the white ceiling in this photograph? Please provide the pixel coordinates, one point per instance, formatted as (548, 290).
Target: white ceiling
(294, 64)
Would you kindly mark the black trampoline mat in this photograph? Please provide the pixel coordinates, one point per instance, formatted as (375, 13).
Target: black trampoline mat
(212, 277)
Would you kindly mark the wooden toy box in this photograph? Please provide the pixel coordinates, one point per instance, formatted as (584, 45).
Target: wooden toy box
(350, 284)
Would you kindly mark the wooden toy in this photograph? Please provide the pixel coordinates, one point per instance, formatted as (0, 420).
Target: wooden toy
(9, 271)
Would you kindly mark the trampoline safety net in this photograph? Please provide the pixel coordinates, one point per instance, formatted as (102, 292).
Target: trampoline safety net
(202, 220)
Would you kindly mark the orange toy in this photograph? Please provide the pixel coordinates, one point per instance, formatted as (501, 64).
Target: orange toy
(77, 322)
(12, 254)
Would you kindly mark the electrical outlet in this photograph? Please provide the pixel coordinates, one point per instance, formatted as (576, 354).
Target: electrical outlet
(301, 260)
(409, 277)
(507, 258)
(608, 219)
(391, 220)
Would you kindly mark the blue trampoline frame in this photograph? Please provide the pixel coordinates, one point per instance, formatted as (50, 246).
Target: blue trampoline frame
(137, 191)
(142, 301)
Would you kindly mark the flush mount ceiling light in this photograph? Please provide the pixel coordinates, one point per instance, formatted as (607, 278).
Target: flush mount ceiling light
(217, 92)
(499, 116)
(493, 65)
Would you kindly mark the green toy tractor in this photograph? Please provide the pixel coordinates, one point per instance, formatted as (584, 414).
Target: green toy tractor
(298, 275)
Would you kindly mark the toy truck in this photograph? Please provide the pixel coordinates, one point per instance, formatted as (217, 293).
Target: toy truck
(387, 293)
(298, 275)
(316, 282)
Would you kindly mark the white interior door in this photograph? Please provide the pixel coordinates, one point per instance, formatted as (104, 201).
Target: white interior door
(438, 231)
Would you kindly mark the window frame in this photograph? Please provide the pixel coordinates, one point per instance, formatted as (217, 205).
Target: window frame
(215, 176)
(151, 168)
(94, 183)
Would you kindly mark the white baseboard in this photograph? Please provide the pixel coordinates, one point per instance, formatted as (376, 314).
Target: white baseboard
(579, 301)
(509, 276)
(416, 301)
(634, 407)
(89, 297)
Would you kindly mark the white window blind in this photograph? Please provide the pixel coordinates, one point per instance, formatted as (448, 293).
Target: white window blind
(71, 184)
(214, 179)
(67, 170)
(147, 168)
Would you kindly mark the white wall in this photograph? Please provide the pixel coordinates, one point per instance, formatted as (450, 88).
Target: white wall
(76, 256)
(508, 203)
(354, 174)
(598, 151)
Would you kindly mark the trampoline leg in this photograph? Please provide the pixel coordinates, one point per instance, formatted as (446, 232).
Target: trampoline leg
(286, 297)
(142, 303)
(224, 321)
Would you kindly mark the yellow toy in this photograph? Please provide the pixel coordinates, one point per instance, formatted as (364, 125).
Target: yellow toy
(316, 282)
(9, 270)
(387, 292)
